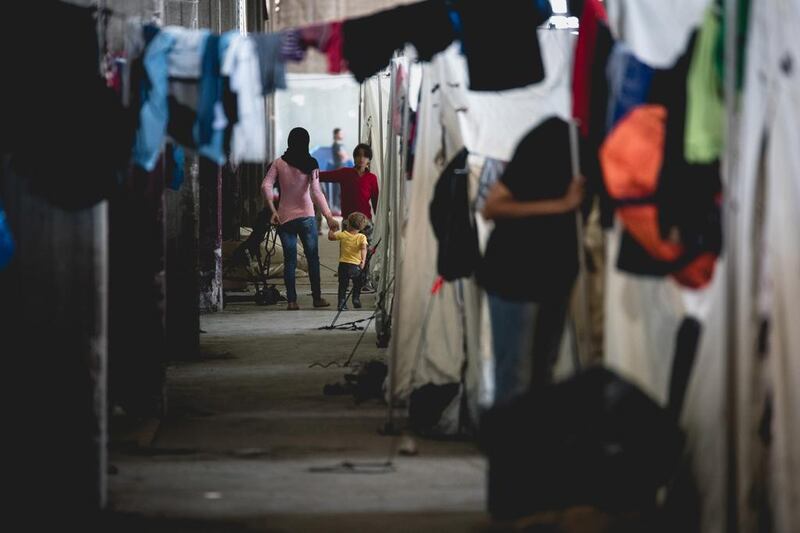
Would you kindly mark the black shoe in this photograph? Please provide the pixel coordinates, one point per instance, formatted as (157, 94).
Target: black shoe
(343, 306)
(356, 303)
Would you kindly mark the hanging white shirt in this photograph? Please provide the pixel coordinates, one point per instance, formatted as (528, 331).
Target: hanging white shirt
(249, 142)
(493, 123)
(186, 55)
(657, 31)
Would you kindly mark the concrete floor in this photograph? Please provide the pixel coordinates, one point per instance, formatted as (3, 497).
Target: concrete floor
(248, 422)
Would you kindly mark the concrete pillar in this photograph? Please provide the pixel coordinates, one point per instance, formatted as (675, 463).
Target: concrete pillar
(138, 294)
(53, 329)
(210, 243)
(182, 223)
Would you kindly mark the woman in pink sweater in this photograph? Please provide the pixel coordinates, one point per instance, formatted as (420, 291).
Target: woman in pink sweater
(297, 174)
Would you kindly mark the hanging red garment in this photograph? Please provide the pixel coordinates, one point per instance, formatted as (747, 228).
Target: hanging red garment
(327, 38)
(333, 49)
(594, 13)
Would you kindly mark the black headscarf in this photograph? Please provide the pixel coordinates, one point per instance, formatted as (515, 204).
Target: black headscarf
(297, 154)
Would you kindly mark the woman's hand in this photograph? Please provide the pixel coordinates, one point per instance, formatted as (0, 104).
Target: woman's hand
(276, 219)
(574, 195)
(332, 223)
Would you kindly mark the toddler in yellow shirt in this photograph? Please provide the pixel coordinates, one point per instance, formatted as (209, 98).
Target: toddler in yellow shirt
(352, 257)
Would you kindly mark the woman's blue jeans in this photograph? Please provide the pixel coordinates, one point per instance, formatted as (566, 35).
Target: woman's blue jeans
(306, 229)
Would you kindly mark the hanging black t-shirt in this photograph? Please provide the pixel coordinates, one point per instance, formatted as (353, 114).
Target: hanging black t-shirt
(535, 258)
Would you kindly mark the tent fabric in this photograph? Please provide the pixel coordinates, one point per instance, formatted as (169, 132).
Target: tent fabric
(767, 191)
(642, 320)
(373, 125)
(414, 302)
(656, 31)
(443, 129)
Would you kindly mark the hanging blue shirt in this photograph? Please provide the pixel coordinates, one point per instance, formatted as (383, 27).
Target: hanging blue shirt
(154, 113)
(629, 82)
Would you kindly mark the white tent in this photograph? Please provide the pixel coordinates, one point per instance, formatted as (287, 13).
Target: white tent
(429, 330)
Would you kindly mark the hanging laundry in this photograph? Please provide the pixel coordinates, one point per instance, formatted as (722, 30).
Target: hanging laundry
(705, 110)
(546, 270)
(6, 240)
(292, 48)
(213, 117)
(656, 31)
(327, 38)
(153, 105)
(175, 158)
(689, 195)
(632, 159)
(487, 35)
(273, 68)
(519, 110)
(453, 222)
(592, 17)
(742, 20)
(185, 58)
(65, 130)
(590, 97)
(370, 42)
(629, 83)
(210, 101)
(249, 135)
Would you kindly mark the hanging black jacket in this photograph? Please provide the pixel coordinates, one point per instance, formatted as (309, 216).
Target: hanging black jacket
(453, 222)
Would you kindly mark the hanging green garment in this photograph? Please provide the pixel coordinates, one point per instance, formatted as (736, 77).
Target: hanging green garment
(705, 109)
(742, 23)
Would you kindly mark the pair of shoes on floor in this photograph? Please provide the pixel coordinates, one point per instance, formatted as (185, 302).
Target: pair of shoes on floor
(321, 302)
(292, 306)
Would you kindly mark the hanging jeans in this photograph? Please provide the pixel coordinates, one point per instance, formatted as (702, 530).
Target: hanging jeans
(306, 229)
(526, 341)
(347, 272)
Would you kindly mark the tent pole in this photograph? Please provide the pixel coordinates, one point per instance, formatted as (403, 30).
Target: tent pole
(585, 343)
(730, 298)
(390, 173)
